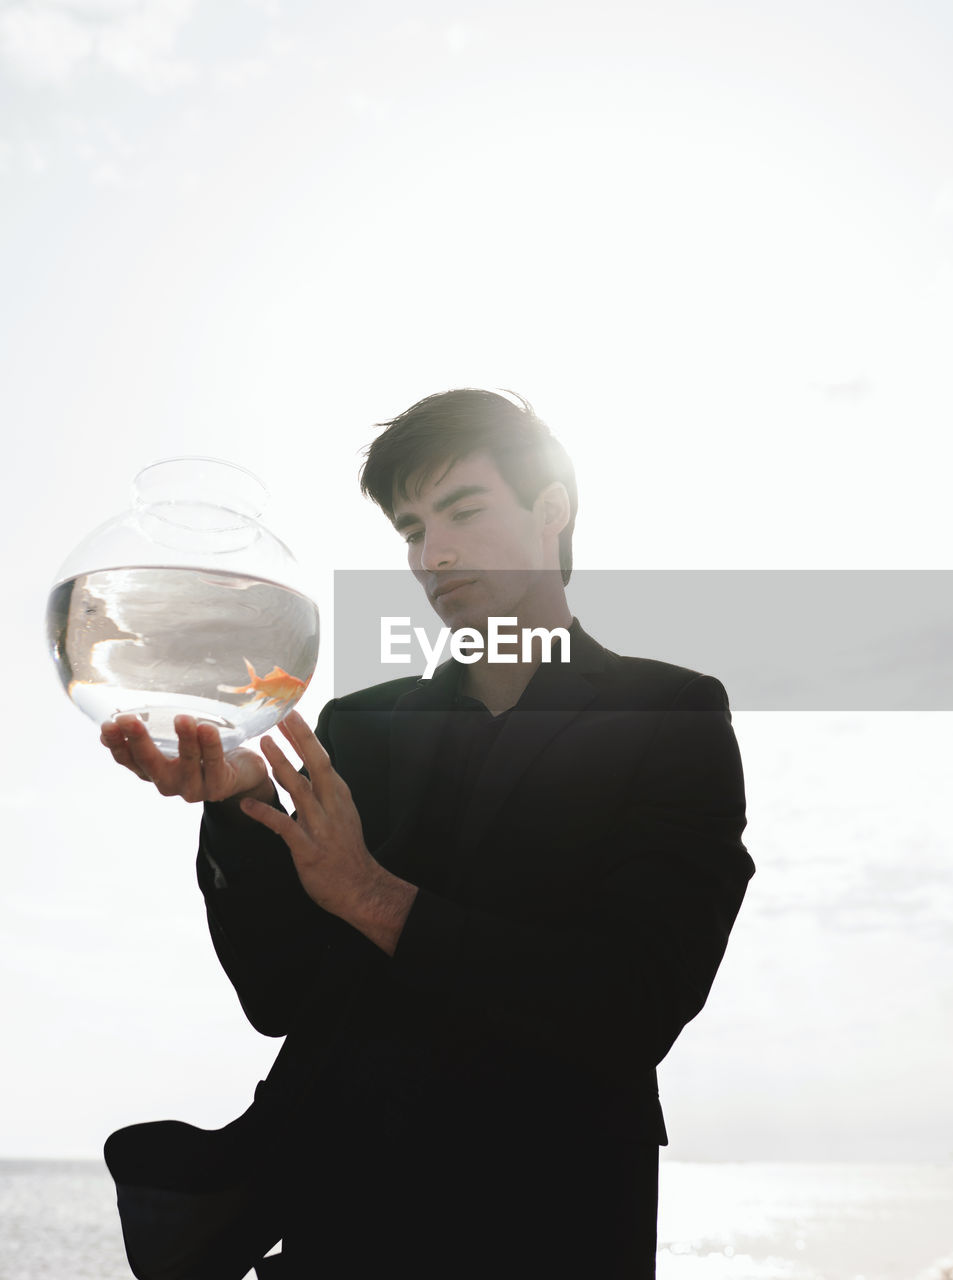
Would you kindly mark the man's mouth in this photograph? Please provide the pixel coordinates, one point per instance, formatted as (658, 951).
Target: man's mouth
(451, 585)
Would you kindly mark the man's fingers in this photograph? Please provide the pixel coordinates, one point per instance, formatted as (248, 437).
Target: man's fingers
(210, 744)
(314, 757)
(189, 777)
(112, 737)
(216, 777)
(200, 771)
(274, 820)
(285, 774)
(148, 760)
(186, 730)
(129, 734)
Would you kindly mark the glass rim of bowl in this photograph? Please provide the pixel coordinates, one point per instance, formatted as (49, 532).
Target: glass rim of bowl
(166, 482)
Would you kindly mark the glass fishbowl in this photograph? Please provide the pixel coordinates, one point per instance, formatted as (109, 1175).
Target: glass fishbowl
(185, 604)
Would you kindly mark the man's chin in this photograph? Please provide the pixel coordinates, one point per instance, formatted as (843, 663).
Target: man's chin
(465, 620)
(457, 614)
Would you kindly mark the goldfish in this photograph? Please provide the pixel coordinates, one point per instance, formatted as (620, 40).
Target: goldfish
(276, 687)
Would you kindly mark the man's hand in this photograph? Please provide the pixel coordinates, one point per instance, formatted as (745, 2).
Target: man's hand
(201, 770)
(326, 840)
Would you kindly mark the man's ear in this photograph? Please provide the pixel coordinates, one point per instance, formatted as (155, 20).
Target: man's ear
(552, 503)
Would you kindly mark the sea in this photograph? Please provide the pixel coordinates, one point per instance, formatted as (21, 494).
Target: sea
(716, 1222)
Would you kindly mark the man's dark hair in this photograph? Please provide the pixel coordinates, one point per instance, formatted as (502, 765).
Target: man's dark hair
(444, 428)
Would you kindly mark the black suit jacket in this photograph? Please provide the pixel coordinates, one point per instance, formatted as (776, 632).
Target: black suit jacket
(501, 1065)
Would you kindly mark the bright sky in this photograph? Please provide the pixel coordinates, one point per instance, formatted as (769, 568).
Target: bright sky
(713, 244)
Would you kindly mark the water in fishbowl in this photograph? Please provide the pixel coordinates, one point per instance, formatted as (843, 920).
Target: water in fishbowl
(230, 650)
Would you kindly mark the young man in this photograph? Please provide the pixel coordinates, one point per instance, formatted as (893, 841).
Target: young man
(504, 892)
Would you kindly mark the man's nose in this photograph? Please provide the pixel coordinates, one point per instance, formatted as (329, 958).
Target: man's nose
(436, 553)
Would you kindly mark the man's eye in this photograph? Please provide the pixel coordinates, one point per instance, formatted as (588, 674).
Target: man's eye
(466, 513)
(411, 538)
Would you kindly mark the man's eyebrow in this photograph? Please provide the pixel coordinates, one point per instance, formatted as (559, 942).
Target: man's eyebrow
(448, 499)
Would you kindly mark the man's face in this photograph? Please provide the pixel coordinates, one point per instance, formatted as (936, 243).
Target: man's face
(474, 548)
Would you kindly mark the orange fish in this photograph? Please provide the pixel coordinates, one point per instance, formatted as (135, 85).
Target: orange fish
(276, 687)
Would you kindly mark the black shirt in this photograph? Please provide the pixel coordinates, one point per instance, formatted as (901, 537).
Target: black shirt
(467, 740)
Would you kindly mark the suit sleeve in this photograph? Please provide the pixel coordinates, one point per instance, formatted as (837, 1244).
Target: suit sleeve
(271, 939)
(633, 963)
